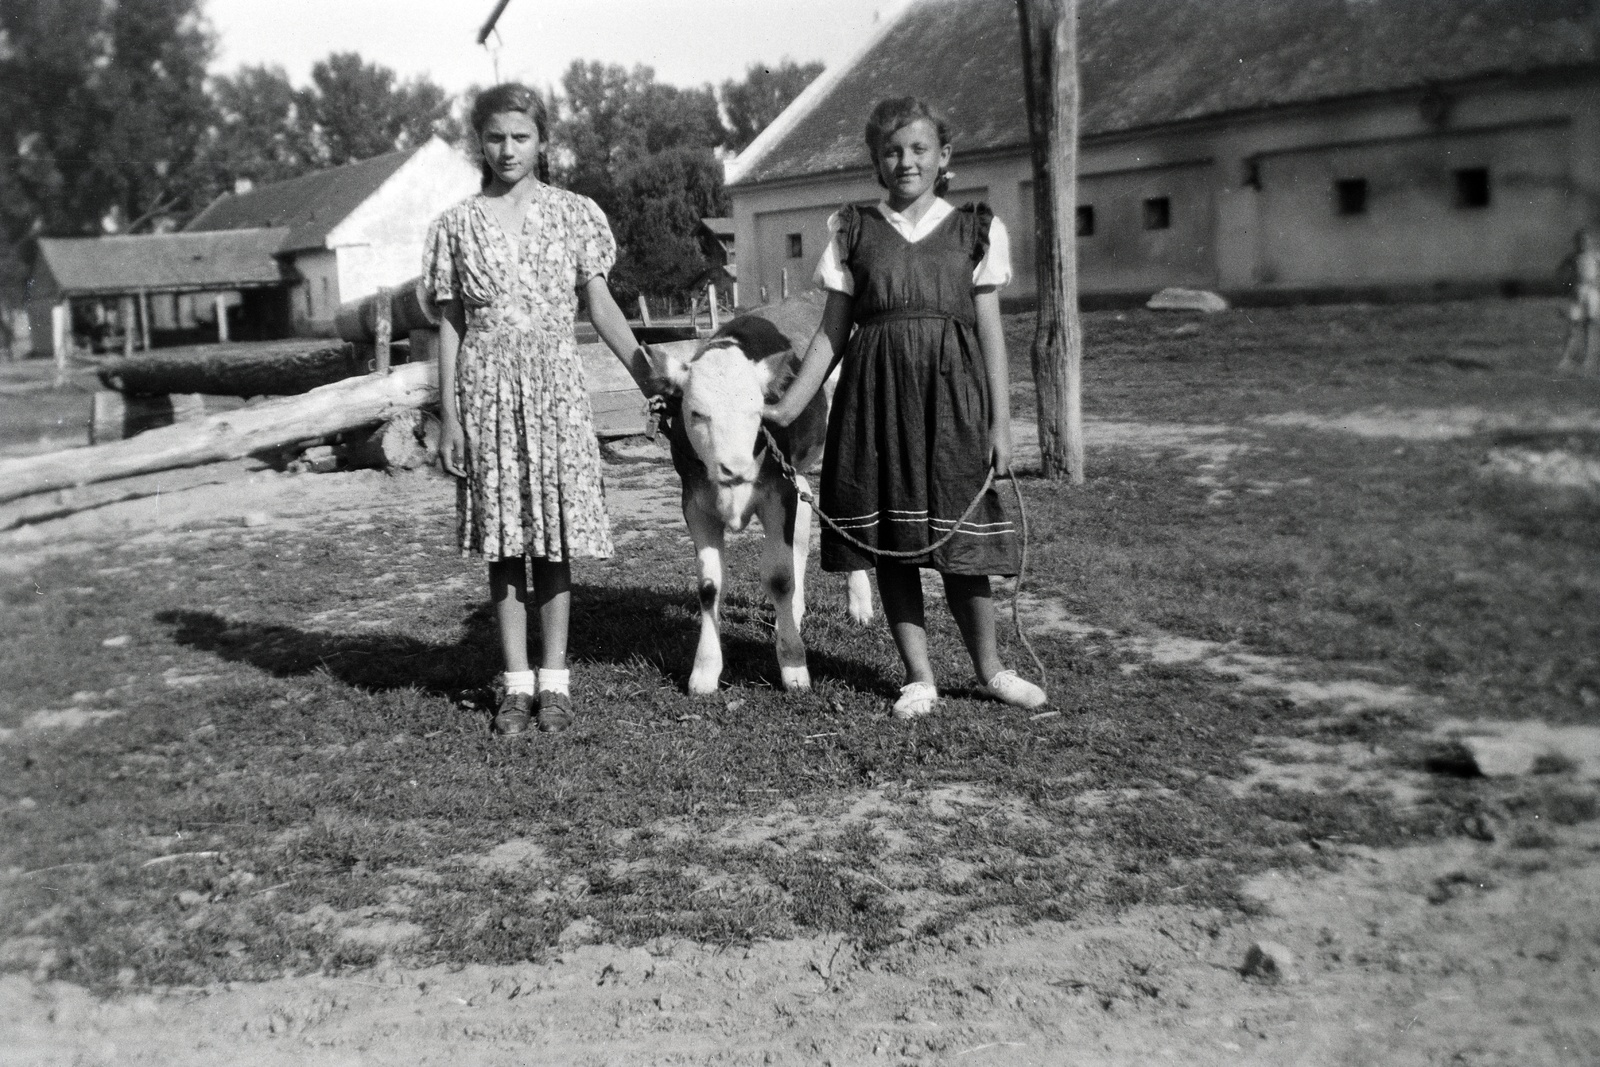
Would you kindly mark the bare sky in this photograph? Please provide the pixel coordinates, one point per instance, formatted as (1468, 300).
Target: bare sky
(687, 41)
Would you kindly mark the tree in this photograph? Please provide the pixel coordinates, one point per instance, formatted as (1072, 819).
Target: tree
(643, 151)
(361, 110)
(752, 104)
(661, 199)
(260, 131)
(104, 111)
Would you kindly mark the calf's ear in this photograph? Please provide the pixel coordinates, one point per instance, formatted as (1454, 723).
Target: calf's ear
(777, 371)
(670, 363)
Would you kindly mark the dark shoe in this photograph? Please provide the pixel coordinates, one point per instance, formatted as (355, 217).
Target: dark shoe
(514, 713)
(555, 712)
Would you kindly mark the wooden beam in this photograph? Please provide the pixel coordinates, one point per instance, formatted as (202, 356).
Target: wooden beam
(221, 305)
(347, 405)
(1050, 82)
(144, 318)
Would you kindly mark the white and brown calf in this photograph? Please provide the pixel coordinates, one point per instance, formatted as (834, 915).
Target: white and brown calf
(729, 476)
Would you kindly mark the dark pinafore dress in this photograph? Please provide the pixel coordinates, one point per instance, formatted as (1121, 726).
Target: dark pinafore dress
(908, 435)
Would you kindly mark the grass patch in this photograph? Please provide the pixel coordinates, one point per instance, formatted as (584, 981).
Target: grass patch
(298, 775)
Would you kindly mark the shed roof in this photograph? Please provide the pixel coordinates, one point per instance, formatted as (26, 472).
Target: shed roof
(308, 206)
(163, 262)
(717, 226)
(1152, 62)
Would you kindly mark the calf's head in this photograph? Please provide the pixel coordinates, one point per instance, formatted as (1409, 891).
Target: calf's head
(723, 386)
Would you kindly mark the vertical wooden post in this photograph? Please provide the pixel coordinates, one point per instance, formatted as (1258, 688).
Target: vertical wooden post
(222, 317)
(60, 332)
(1050, 82)
(711, 300)
(125, 320)
(733, 294)
(783, 283)
(144, 318)
(644, 310)
(382, 331)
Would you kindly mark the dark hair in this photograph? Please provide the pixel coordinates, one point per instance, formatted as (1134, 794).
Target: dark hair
(896, 113)
(512, 96)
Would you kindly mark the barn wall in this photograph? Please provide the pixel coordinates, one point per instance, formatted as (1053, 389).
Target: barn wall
(1252, 204)
(380, 244)
(314, 299)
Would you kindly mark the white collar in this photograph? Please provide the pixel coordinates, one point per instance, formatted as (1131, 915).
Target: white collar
(936, 213)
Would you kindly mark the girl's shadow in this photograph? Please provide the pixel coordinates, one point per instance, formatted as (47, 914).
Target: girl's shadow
(627, 625)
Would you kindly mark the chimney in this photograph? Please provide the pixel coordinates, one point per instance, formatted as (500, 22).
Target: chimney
(242, 186)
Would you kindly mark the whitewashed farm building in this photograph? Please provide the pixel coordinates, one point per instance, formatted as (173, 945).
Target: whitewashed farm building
(280, 258)
(1271, 150)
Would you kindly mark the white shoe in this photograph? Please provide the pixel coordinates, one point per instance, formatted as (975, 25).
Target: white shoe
(1009, 687)
(916, 700)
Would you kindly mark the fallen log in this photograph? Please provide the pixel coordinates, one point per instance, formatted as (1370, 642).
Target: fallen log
(271, 424)
(264, 368)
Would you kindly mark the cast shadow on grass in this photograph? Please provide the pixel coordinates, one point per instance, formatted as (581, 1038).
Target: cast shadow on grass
(611, 625)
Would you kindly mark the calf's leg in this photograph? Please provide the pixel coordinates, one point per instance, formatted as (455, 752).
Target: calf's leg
(782, 548)
(706, 531)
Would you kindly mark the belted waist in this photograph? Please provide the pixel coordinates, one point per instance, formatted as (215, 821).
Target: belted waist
(896, 314)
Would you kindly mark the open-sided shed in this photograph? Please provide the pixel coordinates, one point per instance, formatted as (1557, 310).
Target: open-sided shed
(140, 283)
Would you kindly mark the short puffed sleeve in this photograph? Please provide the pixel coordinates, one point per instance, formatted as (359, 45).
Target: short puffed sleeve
(595, 249)
(994, 268)
(833, 269)
(439, 278)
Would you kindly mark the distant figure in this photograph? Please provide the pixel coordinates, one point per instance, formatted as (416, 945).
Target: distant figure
(1583, 330)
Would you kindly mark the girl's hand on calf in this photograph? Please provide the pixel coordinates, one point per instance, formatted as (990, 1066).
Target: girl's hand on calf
(452, 448)
(777, 414)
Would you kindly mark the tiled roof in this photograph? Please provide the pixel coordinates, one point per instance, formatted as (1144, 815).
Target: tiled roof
(1151, 62)
(163, 262)
(309, 206)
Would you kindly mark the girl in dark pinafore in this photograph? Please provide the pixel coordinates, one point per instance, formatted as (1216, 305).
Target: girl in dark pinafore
(921, 412)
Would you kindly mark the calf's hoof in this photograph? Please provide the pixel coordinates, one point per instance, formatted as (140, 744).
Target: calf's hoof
(796, 677)
(703, 683)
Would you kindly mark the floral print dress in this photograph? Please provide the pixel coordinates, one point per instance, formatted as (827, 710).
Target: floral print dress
(533, 484)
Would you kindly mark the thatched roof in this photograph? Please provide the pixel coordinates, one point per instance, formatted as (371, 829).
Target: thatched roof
(1147, 63)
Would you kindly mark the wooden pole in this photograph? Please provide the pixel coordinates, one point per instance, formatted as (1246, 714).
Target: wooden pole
(711, 301)
(125, 320)
(1050, 82)
(382, 334)
(144, 318)
(644, 310)
(783, 283)
(222, 317)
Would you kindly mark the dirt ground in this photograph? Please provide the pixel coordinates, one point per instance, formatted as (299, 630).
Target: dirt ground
(1483, 951)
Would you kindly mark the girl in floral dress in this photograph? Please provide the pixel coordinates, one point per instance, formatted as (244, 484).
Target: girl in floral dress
(921, 412)
(506, 267)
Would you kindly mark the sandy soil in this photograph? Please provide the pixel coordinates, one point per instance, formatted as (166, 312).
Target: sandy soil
(1467, 952)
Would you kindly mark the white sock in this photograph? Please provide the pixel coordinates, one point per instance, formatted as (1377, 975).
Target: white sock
(554, 681)
(518, 681)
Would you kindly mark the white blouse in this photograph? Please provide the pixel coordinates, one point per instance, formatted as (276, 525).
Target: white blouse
(992, 271)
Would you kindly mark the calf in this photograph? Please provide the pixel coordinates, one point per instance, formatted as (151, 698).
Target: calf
(728, 473)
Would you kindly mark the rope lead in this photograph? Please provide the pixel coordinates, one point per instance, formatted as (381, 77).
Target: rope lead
(1016, 617)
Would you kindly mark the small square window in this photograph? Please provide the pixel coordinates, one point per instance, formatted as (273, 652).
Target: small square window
(797, 246)
(1085, 220)
(1472, 187)
(1158, 213)
(1350, 196)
